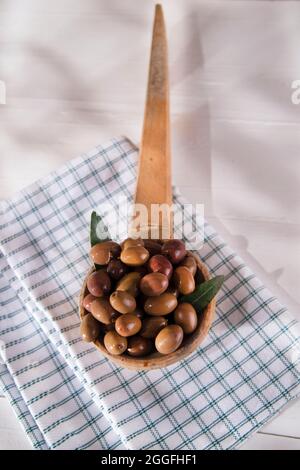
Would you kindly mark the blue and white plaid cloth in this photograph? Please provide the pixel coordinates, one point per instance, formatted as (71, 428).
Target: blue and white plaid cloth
(67, 395)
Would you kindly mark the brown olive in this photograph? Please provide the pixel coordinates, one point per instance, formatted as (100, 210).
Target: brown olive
(128, 324)
(169, 339)
(98, 283)
(185, 316)
(88, 299)
(174, 250)
(135, 256)
(160, 305)
(153, 247)
(89, 328)
(129, 242)
(190, 263)
(122, 301)
(114, 343)
(138, 346)
(160, 264)
(184, 280)
(151, 326)
(101, 253)
(154, 284)
(103, 311)
(116, 269)
(130, 283)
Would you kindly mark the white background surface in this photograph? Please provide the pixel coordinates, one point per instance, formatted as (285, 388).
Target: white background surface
(75, 73)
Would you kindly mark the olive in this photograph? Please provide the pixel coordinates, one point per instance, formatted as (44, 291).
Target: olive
(116, 269)
(135, 255)
(122, 301)
(185, 316)
(169, 339)
(88, 299)
(153, 247)
(98, 283)
(184, 280)
(129, 283)
(154, 284)
(114, 343)
(129, 242)
(174, 250)
(128, 324)
(138, 346)
(103, 311)
(160, 305)
(160, 264)
(151, 326)
(89, 328)
(101, 253)
(190, 263)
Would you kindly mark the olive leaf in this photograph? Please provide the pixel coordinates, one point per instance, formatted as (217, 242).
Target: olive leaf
(204, 293)
(98, 231)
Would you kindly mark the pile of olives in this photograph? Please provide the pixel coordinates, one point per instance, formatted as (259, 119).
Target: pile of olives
(133, 302)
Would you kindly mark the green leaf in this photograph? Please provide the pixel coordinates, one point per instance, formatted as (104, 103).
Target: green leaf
(204, 293)
(98, 231)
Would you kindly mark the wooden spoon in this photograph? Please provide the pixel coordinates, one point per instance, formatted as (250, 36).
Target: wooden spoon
(154, 187)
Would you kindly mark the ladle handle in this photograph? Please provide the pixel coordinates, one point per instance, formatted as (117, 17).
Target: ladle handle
(154, 170)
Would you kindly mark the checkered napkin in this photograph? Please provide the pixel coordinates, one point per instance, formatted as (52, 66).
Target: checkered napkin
(66, 394)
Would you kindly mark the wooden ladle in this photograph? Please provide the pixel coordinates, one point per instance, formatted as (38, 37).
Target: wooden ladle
(154, 187)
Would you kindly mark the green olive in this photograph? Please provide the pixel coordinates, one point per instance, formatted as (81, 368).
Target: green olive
(89, 328)
(103, 311)
(130, 283)
(135, 256)
(122, 301)
(184, 280)
(114, 343)
(186, 316)
(154, 284)
(151, 326)
(138, 346)
(161, 305)
(169, 339)
(128, 325)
